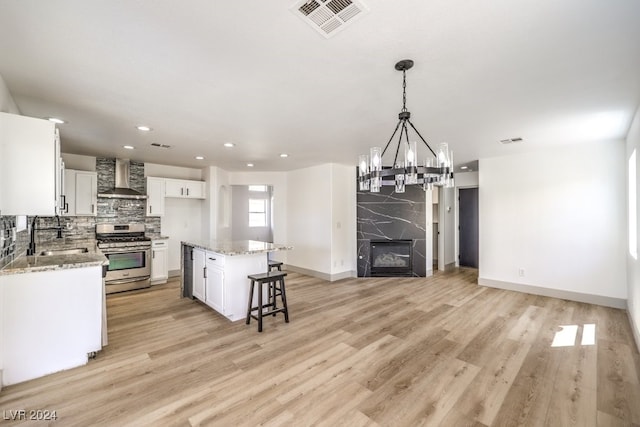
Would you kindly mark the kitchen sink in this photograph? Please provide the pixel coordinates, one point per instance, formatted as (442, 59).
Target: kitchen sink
(64, 251)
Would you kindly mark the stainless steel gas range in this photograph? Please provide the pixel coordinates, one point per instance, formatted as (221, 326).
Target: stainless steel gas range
(129, 254)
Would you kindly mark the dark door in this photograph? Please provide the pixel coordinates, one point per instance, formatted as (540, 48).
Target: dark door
(468, 227)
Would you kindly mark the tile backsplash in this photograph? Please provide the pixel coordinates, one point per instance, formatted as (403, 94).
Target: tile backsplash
(8, 239)
(122, 211)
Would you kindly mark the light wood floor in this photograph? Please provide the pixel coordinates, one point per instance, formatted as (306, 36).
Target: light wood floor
(388, 352)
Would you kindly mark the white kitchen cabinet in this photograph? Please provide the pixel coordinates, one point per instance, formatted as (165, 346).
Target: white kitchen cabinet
(199, 273)
(155, 196)
(52, 321)
(183, 188)
(214, 282)
(159, 261)
(30, 166)
(80, 194)
(86, 193)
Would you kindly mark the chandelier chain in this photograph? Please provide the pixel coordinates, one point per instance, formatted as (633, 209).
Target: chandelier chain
(404, 90)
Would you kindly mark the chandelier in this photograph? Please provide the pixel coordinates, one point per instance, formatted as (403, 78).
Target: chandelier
(435, 170)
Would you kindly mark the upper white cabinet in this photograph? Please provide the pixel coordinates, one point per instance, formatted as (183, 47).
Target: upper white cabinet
(155, 196)
(30, 166)
(80, 194)
(184, 188)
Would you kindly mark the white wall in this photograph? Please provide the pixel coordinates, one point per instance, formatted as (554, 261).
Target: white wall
(322, 220)
(7, 104)
(79, 162)
(217, 208)
(633, 265)
(558, 214)
(176, 172)
(182, 221)
(343, 213)
(447, 204)
(310, 218)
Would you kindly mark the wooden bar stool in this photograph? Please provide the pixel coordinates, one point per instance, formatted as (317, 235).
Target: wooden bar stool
(275, 283)
(275, 264)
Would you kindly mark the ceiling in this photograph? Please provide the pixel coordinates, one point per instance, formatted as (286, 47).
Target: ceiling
(202, 73)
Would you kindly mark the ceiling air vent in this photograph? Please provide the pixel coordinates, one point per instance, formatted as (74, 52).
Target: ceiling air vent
(155, 144)
(510, 141)
(328, 17)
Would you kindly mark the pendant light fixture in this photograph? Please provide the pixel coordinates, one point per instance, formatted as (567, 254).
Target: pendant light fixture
(436, 170)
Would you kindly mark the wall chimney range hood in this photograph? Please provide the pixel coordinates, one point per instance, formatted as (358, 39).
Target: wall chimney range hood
(122, 188)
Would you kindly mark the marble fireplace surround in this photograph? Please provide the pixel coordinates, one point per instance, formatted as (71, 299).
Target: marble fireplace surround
(391, 216)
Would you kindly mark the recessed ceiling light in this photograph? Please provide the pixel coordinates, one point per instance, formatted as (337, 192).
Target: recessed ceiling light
(284, 155)
(229, 144)
(199, 158)
(143, 128)
(56, 120)
(128, 147)
(249, 165)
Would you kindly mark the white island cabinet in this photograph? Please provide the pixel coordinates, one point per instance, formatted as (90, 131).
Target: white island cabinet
(216, 273)
(51, 321)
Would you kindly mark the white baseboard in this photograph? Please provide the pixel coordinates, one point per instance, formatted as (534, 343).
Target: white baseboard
(175, 273)
(555, 293)
(634, 329)
(320, 275)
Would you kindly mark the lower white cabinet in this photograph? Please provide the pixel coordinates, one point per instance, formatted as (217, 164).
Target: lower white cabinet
(221, 282)
(199, 273)
(214, 284)
(159, 261)
(52, 321)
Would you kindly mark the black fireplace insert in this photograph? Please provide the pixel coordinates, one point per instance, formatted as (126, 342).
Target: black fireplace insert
(391, 258)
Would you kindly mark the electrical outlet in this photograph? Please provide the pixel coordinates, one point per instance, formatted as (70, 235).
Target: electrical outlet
(521, 272)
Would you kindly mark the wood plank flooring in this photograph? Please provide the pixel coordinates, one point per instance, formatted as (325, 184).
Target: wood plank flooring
(357, 352)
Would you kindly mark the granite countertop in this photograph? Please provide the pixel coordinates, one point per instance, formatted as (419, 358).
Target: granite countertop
(237, 247)
(155, 236)
(33, 263)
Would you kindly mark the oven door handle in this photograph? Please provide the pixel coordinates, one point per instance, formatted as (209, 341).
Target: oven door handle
(109, 251)
(121, 281)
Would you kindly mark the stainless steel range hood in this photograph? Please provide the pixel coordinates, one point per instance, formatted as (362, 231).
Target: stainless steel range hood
(122, 188)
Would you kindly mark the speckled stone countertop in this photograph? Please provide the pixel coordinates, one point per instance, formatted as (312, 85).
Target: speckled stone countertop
(237, 247)
(32, 263)
(154, 236)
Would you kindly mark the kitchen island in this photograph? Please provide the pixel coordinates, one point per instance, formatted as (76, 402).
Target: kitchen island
(52, 309)
(215, 272)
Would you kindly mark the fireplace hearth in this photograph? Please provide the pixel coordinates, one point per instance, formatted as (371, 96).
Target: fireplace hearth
(391, 258)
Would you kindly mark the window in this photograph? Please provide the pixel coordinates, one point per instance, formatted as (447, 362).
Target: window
(258, 188)
(257, 212)
(633, 208)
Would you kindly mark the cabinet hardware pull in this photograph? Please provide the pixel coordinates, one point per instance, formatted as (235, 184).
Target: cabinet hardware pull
(150, 209)
(153, 254)
(182, 191)
(92, 208)
(187, 191)
(205, 272)
(212, 259)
